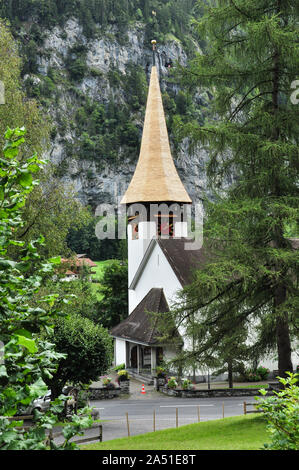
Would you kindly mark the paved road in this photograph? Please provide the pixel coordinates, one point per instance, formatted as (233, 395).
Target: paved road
(141, 413)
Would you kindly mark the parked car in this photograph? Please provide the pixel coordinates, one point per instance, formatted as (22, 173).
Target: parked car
(40, 404)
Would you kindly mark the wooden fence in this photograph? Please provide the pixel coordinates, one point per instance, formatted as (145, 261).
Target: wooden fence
(52, 436)
(246, 411)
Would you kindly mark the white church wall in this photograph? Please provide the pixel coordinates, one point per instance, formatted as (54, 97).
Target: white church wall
(137, 247)
(157, 273)
(120, 351)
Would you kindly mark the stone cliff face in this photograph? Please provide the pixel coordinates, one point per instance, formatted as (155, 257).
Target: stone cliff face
(96, 183)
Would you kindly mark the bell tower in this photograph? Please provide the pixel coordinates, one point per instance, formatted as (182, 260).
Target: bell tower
(156, 197)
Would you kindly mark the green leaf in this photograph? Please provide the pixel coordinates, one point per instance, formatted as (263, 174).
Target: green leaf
(38, 388)
(25, 179)
(55, 260)
(6, 263)
(3, 372)
(27, 343)
(23, 332)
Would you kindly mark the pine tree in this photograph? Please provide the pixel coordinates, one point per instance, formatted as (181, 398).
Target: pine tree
(249, 65)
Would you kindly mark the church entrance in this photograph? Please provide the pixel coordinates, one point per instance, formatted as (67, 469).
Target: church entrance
(134, 357)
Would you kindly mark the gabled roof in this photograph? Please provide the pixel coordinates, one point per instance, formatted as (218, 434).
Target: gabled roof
(140, 326)
(183, 262)
(156, 178)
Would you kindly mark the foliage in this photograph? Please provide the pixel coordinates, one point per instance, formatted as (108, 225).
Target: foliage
(172, 16)
(52, 210)
(161, 372)
(122, 375)
(172, 382)
(251, 274)
(119, 367)
(114, 289)
(255, 374)
(81, 238)
(83, 302)
(107, 382)
(282, 414)
(17, 110)
(187, 384)
(88, 349)
(28, 359)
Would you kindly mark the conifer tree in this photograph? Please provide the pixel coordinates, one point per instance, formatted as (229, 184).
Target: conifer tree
(250, 62)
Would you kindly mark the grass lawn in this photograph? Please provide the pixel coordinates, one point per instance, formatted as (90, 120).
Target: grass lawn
(235, 433)
(99, 272)
(101, 265)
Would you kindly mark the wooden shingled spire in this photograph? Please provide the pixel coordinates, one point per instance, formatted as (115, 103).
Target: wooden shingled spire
(155, 178)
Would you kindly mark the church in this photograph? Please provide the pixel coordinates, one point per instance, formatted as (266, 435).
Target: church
(158, 264)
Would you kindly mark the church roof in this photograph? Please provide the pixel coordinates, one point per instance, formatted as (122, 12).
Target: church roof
(182, 261)
(139, 326)
(156, 178)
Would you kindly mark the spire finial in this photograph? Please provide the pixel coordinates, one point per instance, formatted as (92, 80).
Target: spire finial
(154, 42)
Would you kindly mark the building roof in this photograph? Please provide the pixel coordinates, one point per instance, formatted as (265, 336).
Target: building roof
(183, 261)
(79, 261)
(156, 178)
(139, 326)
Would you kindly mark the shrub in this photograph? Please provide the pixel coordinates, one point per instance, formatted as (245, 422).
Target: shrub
(88, 349)
(255, 375)
(187, 384)
(119, 367)
(172, 383)
(282, 414)
(263, 372)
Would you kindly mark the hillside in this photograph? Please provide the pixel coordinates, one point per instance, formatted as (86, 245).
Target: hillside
(87, 63)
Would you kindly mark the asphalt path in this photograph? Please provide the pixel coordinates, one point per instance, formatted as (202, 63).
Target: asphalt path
(168, 413)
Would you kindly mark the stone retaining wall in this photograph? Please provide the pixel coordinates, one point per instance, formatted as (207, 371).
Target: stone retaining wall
(220, 392)
(102, 393)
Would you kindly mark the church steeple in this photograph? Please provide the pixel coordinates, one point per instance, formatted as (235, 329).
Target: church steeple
(155, 179)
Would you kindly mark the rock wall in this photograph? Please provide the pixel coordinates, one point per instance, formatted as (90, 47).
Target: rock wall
(96, 185)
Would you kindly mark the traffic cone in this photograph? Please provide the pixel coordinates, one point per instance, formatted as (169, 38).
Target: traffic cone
(143, 389)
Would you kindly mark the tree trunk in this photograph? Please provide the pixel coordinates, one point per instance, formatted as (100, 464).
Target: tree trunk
(230, 374)
(282, 335)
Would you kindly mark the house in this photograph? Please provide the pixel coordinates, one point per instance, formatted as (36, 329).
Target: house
(75, 267)
(159, 265)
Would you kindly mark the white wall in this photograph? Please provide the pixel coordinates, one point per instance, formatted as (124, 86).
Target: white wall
(137, 248)
(157, 273)
(120, 351)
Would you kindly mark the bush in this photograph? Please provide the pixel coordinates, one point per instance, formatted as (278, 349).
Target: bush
(172, 383)
(263, 372)
(256, 375)
(119, 367)
(282, 414)
(88, 349)
(187, 385)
